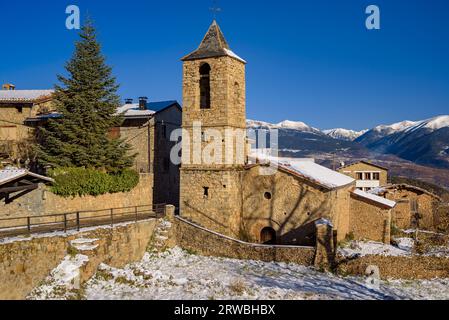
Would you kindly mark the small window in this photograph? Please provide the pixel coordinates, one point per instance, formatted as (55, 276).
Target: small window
(359, 176)
(267, 196)
(376, 176)
(367, 175)
(206, 192)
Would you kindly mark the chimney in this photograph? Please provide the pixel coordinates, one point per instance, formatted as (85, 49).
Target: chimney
(128, 101)
(8, 87)
(143, 103)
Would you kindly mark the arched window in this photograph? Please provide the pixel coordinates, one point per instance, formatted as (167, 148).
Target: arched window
(205, 86)
(268, 236)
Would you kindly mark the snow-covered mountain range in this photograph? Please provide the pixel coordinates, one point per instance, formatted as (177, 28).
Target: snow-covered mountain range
(424, 142)
(344, 134)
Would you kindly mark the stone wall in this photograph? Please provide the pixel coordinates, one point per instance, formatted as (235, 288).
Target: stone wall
(137, 133)
(369, 222)
(426, 204)
(416, 267)
(228, 103)
(204, 242)
(287, 204)
(219, 210)
(43, 202)
(26, 263)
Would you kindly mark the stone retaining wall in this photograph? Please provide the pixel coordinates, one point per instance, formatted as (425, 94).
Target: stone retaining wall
(204, 242)
(42, 202)
(416, 267)
(25, 263)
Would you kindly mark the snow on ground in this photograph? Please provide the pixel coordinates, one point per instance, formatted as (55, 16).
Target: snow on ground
(62, 280)
(176, 274)
(403, 247)
(376, 248)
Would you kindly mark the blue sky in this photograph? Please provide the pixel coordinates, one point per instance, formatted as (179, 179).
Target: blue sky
(311, 61)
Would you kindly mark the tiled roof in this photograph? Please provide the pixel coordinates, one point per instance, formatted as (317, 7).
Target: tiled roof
(23, 95)
(213, 45)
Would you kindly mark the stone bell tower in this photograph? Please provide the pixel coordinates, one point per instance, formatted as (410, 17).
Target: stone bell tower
(214, 140)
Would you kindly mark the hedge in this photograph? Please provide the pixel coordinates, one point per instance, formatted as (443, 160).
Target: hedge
(72, 182)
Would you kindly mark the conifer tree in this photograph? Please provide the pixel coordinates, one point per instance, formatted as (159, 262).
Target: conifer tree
(87, 101)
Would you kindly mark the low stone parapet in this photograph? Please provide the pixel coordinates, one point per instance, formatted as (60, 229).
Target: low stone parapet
(396, 267)
(194, 238)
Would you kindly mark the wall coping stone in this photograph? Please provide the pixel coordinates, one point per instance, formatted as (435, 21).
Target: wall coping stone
(255, 245)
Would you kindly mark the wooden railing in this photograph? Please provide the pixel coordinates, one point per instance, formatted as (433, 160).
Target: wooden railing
(64, 222)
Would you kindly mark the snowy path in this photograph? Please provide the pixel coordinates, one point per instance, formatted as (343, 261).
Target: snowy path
(179, 275)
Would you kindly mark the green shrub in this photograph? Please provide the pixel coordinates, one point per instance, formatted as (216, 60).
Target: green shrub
(72, 182)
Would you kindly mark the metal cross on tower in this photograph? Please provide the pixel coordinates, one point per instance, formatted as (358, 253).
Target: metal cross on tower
(215, 9)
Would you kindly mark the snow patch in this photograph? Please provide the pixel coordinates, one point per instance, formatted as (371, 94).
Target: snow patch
(179, 275)
(360, 248)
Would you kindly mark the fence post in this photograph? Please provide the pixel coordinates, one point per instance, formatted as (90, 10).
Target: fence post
(112, 217)
(29, 224)
(65, 222)
(78, 224)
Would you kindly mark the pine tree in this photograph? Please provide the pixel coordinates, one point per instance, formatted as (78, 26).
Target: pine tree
(87, 101)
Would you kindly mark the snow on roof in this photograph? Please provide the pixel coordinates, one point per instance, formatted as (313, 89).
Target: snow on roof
(373, 197)
(233, 55)
(133, 110)
(23, 95)
(308, 169)
(11, 174)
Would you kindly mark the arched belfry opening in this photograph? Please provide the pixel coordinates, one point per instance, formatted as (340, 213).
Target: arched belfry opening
(268, 236)
(205, 86)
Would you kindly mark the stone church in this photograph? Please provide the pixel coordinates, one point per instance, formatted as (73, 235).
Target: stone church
(234, 198)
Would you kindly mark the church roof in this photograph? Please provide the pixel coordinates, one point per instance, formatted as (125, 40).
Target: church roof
(306, 169)
(213, 45)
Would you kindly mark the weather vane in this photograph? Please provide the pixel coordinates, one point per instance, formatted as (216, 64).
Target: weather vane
(215, 9)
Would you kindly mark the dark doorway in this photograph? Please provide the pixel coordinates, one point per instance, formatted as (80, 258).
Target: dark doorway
(268, 236)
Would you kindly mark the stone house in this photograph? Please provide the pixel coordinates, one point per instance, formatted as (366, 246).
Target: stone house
(235, 198)
(148, 127)
(416, 207)
(15, 107)
(367, 175)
